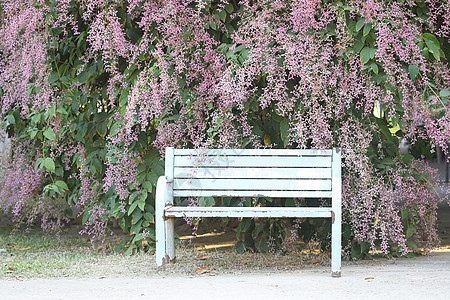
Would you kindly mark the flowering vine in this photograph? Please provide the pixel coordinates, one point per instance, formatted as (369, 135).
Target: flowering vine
(97, 90)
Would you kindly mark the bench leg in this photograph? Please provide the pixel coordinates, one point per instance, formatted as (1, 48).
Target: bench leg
(336, 205)
(336, 245)
(170, 239)
(159, 222)
(160, 238)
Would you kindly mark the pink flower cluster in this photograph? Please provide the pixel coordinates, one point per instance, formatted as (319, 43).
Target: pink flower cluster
(20, 183)
(121, 174)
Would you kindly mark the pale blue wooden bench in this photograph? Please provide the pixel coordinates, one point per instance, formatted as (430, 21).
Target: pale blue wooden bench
(282, 173)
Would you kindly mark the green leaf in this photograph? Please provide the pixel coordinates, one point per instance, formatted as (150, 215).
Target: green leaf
(59, 171)
(132, 207)
(374, 68)
(238, 231)
(122, 15)
(149, 217)
(358, 45)
(49, 134)
(367, 28)
(53, 77)
(284, 129)
(246, 223)
(387, 161)
(80, 38)
(249, 242)
(410, 231)
(433, 44)
(405, 213)
(152, 178)
(347, 232)
(412, 244)
(229, 8)
(373, 51)
(38, 163)
(406, 158)
(365, 54)
(158, 168)
(356, 251)
(365, 247)
(136, 218)
(36, 118)
(257, 231)
(137, 238)
(56, 188)
(290, 203)
(122, 244)
(114, 129)
(136, 227)
(206, 201)
(49, 164)
(61, 184)
(412, 254)
(62, 111)
(123, 99)
(147, 185)
(413, 71)
(244, 55)
(33, 133)
(223, 15)
(101, 128)
(264, 245)
(384, 128)
(444, 93)
(86, 215)
(360, 24)
(141, 202)
(240, 247)
(11, 119)
(52, 111)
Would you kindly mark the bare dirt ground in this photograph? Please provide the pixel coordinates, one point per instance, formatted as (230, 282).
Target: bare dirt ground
(252, 276)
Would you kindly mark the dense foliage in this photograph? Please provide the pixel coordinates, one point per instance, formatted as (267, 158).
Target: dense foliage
(93, 91)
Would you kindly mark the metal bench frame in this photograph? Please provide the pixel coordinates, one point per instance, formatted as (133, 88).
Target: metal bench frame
(287, 173)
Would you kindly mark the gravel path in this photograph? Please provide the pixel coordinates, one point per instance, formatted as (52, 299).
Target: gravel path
(426, 277)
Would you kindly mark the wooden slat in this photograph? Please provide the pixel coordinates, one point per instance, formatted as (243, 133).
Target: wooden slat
(253, 161)
(249, 173)
(253, 152)
(253, 193)
(248, 212)
(253, 184)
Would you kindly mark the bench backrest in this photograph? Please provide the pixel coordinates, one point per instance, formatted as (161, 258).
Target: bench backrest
(253, 172)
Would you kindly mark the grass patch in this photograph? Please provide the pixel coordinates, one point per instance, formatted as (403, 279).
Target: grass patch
(34, 255)
(25, 255)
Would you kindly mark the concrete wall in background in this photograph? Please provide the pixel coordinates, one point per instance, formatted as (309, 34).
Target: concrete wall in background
(5, 144)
